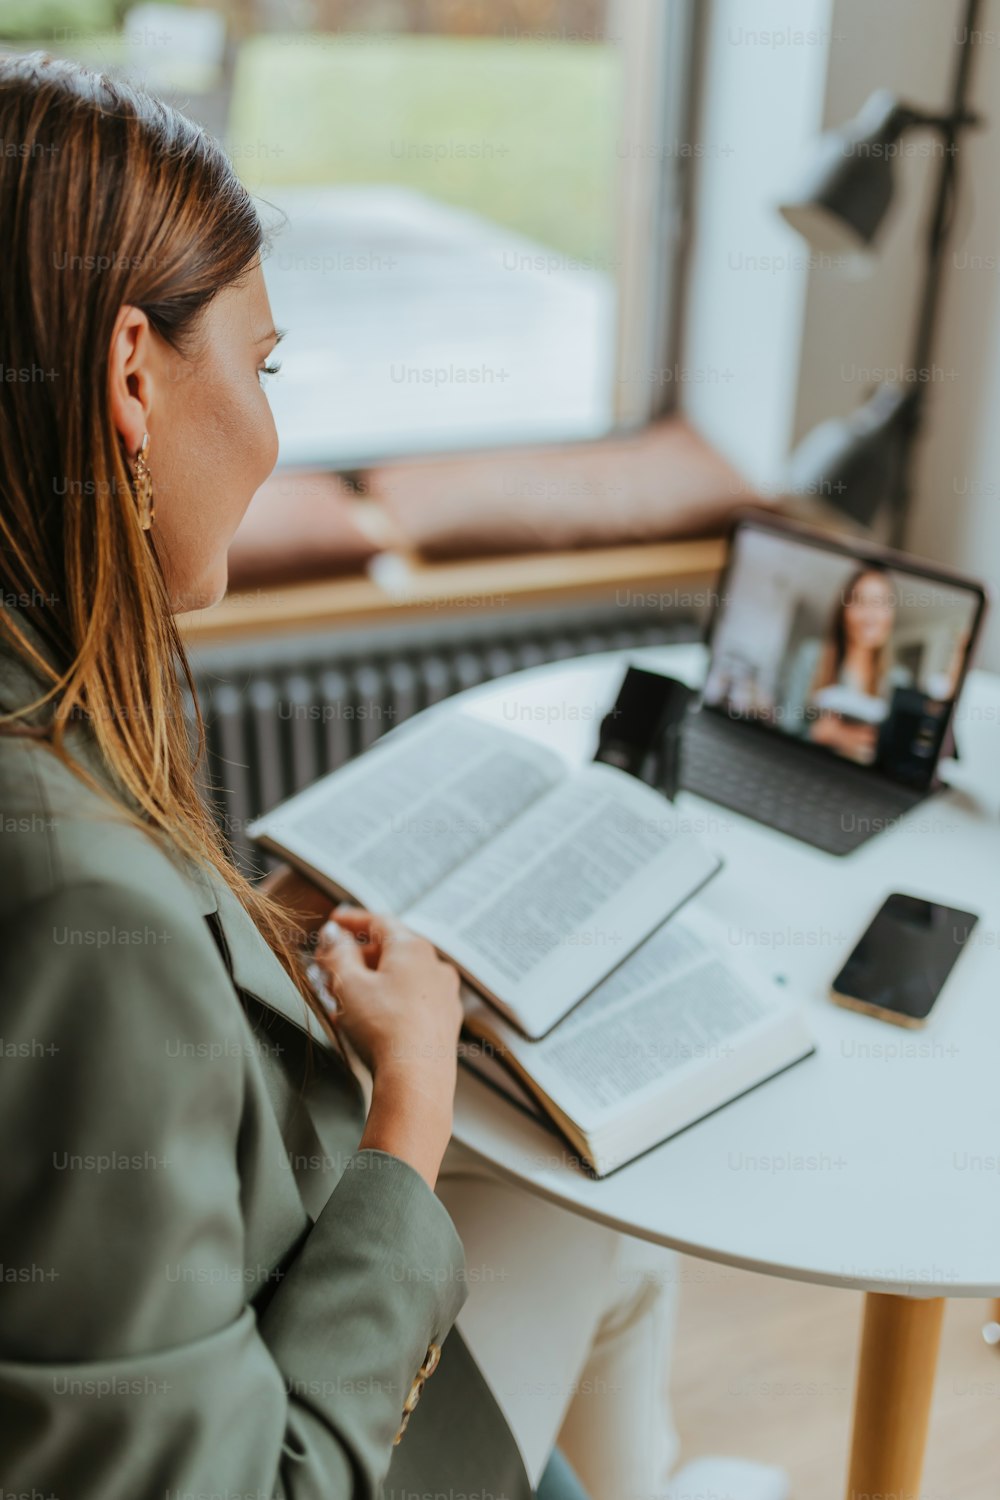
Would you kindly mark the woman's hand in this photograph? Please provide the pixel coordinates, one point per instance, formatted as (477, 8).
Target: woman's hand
(399, 1009)
(399, 1005)
(857, 741)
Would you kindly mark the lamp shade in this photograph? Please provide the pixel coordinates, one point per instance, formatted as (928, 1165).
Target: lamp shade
(855, 462)
(842, 198)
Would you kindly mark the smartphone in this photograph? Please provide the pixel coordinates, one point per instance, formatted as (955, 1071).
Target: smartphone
(641, 734)
(899, 967)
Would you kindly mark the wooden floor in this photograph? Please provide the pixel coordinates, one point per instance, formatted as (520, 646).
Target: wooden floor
(765, 1369)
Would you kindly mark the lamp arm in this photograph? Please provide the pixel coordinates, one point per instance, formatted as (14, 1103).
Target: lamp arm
(916, 119)
(950, 125)
(941, 219)
(912, 119)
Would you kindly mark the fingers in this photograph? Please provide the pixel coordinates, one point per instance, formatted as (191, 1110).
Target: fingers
(339, 955)
(350, 916)
(364, 925)
(366, 928)
(387, 941)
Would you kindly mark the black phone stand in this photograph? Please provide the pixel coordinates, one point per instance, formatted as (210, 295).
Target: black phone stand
(643, 733)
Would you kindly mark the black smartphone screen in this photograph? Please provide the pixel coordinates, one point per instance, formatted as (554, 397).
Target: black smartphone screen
(647, 705)
(641, 734)
(642, 704)
(904, 958)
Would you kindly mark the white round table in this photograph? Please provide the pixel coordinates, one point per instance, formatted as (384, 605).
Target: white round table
(874, 1164)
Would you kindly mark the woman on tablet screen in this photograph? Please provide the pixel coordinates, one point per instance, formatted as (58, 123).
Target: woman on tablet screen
(854, 675)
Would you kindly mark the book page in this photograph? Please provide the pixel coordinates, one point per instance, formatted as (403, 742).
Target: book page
(559, 898)
(672, 1005)
(390, 825)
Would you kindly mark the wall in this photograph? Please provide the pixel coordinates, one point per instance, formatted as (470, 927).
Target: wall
(761, 95)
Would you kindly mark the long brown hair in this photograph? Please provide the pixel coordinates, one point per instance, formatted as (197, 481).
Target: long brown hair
(835, 651)
(111, 197)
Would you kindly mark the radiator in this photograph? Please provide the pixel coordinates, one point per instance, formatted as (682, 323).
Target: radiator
(281, 712)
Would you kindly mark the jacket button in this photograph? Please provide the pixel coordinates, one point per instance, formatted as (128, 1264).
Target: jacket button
(408, 1406)
(430, 1364)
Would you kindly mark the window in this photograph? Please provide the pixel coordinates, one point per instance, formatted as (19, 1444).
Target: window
(479, 201)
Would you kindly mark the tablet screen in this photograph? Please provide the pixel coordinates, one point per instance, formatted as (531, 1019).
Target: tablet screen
(840, 650)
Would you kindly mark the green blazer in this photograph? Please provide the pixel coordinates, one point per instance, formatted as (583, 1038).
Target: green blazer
(205, 1287)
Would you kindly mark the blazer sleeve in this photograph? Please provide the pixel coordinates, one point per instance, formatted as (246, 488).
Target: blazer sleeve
(132, 1363)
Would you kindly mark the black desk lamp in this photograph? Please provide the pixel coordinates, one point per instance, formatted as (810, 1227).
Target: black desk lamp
(862, 462)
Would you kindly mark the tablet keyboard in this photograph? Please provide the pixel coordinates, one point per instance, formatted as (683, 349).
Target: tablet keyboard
(832, 805)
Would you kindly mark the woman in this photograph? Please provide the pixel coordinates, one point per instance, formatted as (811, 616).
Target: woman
(226, 1270)
(843, 685)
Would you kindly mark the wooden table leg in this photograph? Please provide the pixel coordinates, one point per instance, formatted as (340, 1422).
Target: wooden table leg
(892, 1402)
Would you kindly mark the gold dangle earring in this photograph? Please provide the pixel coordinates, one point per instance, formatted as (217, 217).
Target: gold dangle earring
(143, 481)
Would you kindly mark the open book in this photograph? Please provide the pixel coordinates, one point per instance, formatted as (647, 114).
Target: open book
(672, 1035)
(534, 877)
